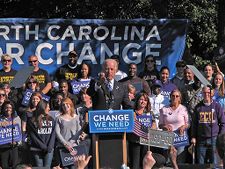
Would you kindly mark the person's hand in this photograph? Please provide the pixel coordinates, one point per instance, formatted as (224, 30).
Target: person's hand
(193, 141)
(69, 148)
(83, 136)
(81, 161)
(182, 129)
(148, 161)
(167, 127)
(102, 78)
(4, 123)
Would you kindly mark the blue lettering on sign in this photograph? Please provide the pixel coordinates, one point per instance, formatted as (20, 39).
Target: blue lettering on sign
(146, 120)
(78, 85)
(180, 140)
(6, 134)
(27, 96)
(103, 121)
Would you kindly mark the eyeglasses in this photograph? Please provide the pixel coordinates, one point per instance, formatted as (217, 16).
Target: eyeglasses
(7, 60)
(149, 61)
(2, 94)
(176, 96)
(32, 61)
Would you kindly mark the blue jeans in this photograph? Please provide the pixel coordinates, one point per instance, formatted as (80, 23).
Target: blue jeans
(43, 159)
(207, 145)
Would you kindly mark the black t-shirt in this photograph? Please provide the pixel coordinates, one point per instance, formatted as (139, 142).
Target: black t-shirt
(66, 73)
(42, 77)
(7, 77)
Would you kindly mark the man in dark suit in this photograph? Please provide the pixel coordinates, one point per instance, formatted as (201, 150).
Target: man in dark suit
(106, 92)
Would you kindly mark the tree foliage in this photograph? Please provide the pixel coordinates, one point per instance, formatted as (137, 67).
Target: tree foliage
(202, 14)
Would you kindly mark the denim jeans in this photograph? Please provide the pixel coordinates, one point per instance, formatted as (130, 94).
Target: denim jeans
(43, 159)
(207, 145)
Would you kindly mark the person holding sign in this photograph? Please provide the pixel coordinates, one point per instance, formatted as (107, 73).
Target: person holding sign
(10, 135)
(143, 115)
(83, 79)
(68, 129)
(174, 118)
(41, 131)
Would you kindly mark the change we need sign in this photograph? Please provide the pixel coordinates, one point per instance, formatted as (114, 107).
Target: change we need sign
(109, 121)
(7, 132)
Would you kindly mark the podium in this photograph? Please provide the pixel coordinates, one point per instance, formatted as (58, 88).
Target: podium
(109, 150)
(109, 145)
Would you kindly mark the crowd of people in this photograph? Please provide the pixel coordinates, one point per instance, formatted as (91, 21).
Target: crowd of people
(55, 116)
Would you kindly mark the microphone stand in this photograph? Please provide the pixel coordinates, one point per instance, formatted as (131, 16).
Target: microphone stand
(211, 121)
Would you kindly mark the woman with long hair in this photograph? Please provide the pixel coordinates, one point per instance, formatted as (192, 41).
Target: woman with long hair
(150, 72)
(68, 128)
(9, 151)
(219, 89)
(41, 131)
(142, 107)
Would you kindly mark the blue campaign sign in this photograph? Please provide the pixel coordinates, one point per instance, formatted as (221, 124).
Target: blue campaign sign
(6, 134)
(180, 140)
(78, 85)
(94, 40)
(145, 120)
(110, 121)
(27, 95)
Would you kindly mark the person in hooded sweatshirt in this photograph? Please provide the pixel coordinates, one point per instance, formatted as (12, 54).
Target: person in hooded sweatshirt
(41, 131)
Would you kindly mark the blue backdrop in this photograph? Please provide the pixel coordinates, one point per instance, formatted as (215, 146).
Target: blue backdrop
(94, 40)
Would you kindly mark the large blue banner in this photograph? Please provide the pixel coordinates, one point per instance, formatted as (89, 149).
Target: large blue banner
(94, 40)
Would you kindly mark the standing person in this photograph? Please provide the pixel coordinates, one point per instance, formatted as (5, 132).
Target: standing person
(133, 79)
(157, 101)
(7, 73)
(9, 151)
(174, 118)
(107, 92)
(85, 72)
(27, 112)
(41, 131)
(166, 85)
(208, 72)
(191, 92)
(3, 98)
(119, 73)
(178, 79)
(137, 151)
(70, 70)
(150, 72)
(208, 123)
(219, 89)
(40, 75)
(64, 88)
(68, 128)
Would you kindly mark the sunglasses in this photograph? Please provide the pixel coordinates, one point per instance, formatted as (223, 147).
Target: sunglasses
(7, 60)
(31, 82)
(149, 61)
(1, 94)
(32, 61)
